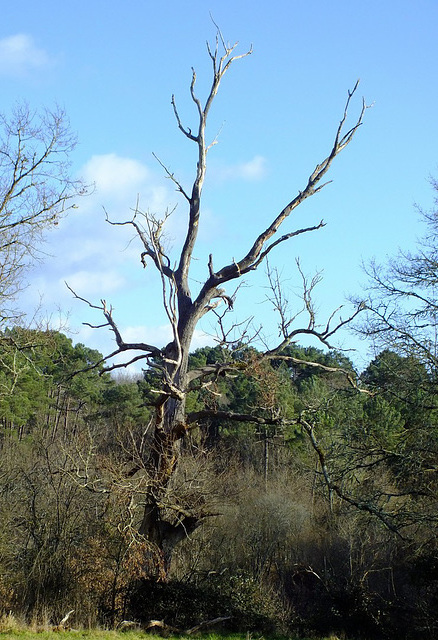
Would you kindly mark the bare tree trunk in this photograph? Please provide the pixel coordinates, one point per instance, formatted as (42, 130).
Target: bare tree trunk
(265, 457)
(169, 429)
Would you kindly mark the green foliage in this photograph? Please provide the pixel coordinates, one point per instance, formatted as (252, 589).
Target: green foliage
(42, 373)
(123, 403)
(73, 472)
(299, 366)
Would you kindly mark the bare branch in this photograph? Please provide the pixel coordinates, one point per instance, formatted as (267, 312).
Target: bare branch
(195, 416)
(186, 132)
(220, 66)
(333, 487)
(259, 251)
(36, 188)
(122, 346)
(150, 238)
(171, 176)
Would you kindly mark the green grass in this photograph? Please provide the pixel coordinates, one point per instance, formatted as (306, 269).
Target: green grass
(13, 629)
(25, 634)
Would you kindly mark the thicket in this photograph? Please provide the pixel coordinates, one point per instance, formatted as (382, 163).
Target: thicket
(283, 546)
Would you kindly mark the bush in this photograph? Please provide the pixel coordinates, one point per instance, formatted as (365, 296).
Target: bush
(187, 604)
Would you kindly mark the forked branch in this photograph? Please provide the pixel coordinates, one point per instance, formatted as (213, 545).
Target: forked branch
(122, 346)
(221, 63)
(260, 248)
(333, 487)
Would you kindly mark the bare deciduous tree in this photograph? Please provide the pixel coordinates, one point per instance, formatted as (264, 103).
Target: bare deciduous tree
(185, 309)
(403, 302)
(35, 190)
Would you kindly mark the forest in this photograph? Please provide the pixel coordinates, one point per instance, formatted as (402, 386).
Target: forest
(267, 488)
(333, 532)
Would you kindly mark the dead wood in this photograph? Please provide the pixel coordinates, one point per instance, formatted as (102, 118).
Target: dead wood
(61, 626)
(160, 625)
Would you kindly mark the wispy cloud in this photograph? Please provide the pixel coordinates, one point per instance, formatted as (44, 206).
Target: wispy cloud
(255, 169)
(118, 182)
(252, 170)
(115, 175)
(19, 55)
(91, 284)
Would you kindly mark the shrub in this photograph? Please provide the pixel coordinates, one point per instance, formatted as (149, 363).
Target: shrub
(187, 604)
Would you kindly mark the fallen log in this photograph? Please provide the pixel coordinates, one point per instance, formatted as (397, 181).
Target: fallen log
(62, 623)
(167, 628)
(207, 623)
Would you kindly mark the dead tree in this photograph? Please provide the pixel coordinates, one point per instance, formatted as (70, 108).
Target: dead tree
(185, 309)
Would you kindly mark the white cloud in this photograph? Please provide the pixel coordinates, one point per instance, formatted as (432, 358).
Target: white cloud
(96, 259)
(20, 55)
(254, 169)
(119, 182)
(95, 283)
(84, 240)
(122, 183)
(114, 175)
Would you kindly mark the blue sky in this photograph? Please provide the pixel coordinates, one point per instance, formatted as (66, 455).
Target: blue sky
(114, 66)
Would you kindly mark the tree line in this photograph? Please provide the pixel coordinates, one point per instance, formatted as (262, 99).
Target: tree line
(333, 531)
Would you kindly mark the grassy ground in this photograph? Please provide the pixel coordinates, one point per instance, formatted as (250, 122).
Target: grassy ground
(130, 635)
(24, 634)
(11, 629)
